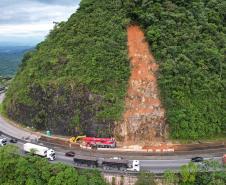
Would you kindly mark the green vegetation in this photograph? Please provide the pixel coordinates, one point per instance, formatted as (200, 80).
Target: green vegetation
(1, 109)
(78, 75)
(188, 38)
(4, 81)
(81, 67)
(190, 174)
(31, 170)
(193, 174)
(10, 59)
(146, 179)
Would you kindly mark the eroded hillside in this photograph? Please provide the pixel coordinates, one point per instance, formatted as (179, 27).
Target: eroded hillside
(144, 117)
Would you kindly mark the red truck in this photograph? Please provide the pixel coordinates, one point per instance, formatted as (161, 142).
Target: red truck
(99, 142)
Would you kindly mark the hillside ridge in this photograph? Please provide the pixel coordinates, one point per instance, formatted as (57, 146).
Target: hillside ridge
(77, 81)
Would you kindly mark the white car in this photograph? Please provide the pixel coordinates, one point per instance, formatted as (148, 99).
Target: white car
(3, 141)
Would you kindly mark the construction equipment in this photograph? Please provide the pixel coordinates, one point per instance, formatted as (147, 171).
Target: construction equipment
(94, 142)
(99, 142)
(76, 138)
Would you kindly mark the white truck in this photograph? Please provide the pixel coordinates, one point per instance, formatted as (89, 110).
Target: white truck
(135, 166)
(40, 150)
(3, 141)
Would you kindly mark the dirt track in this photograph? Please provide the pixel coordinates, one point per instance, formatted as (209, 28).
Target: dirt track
(144, 116)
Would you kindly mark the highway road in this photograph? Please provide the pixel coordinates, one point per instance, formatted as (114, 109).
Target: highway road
(10, 129)
(153, 164)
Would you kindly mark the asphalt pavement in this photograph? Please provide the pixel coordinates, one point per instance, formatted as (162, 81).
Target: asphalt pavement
(152, 165)
(10, 129)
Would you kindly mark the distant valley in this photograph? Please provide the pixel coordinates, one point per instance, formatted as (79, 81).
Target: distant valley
(10, 58)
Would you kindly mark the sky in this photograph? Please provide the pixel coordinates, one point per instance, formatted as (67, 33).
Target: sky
(27, 22)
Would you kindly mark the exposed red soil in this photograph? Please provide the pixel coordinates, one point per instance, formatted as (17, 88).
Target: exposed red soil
(144, 117)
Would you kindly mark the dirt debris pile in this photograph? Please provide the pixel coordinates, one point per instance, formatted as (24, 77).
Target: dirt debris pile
(144, 117)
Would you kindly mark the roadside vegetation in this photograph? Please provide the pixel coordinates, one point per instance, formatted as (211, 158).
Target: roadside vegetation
(191, 174)
(32, 170)
(206, 173)
(4, 81)
(76, 80)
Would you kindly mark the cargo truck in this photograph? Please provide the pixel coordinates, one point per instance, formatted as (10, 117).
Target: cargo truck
(106, 164)
(40, 150)
(94, 142)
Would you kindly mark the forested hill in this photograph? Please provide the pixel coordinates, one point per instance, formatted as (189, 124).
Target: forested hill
(10, 59)
(76, 80)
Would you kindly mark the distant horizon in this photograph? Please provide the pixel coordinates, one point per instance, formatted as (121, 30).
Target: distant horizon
(28, 22)
(17, 45)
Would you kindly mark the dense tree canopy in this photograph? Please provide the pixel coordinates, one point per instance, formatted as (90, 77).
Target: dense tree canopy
(77, 78)
(32, 170)
(197, 174)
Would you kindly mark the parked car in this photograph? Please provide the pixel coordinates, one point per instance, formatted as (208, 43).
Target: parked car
(70, 154)
(197, 159)
(12, 140)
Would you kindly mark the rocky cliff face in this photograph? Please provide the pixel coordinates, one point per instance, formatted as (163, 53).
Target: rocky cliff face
(144, 116)
(65, 110)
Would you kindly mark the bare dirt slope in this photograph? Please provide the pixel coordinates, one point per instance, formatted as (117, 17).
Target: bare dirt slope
(144, 117)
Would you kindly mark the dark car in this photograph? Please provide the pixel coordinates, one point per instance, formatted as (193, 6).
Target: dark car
(13, 140)
(197, 159)
(70, 154)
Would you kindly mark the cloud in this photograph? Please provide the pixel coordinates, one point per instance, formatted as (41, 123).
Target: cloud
(24, 30)
(60, 2)
(32, 18)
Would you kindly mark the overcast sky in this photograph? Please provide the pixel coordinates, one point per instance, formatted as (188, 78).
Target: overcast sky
(27, 22)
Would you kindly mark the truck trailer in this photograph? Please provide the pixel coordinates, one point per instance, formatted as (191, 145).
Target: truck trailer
(40, 150)
(106, 164)
(99, 142)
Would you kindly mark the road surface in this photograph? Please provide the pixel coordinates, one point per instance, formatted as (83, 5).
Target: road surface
(12, 130)
(152, 165)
